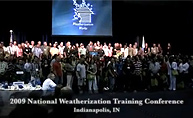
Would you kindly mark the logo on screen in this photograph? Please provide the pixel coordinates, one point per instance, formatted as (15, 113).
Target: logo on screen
(82, 15)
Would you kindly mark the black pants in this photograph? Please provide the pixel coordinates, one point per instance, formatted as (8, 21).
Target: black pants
(136, 82)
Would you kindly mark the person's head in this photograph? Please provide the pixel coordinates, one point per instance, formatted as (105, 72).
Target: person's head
(135, 44)
(20, 61)
(38, 46)
(50, 44)
(61, 44)
(98, 43)
(77, 45)
(95, 44)
(146, 44)
(159, 45)
(51, 76)
(112, 60)
(169, 45)
(45, 43)
(68, 44)
(120, 45)
(58, 59)
(10, 44)
(90, 43)
(130, 45)
(23, 45)
(82, 45)
(2, 43)
(54, 45)
(125, 46)
(27, 44)
(32, 43)
(19, 46)
(154, 45)
(15, 43)
(39, 43)
(82, 60)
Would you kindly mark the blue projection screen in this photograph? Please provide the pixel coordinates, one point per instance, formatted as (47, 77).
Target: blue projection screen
(82, 17)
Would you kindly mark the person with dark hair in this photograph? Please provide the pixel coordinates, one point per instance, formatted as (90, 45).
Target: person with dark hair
(57, 70)
(69, 68)
(36, 71)
(112, 74)
(91, 76)
(45, 65)
(81, 74)
(185, 68)
(168, 49)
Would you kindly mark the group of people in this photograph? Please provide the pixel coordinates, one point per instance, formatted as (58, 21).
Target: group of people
(95, 67)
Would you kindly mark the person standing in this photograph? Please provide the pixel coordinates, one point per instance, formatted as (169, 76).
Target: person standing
(91, 76)
(81, 74)
(172, 70)
(57, 70)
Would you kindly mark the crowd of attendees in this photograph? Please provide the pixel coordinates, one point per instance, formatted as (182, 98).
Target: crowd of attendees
(95, 67)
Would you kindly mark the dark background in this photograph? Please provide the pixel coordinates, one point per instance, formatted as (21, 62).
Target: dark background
(161, 22)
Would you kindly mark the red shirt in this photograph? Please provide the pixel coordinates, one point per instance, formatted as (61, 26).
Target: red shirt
(57, 68)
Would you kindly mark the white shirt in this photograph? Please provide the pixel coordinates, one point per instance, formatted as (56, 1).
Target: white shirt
(174, 65)
(61, 49)
(82, 51)
(185, 67)
(48, 84)
(126, 52)
(10, 50)
(106, 51)
(82, 70)
(15, 47)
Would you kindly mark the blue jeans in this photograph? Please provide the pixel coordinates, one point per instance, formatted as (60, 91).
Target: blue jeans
(58, 80)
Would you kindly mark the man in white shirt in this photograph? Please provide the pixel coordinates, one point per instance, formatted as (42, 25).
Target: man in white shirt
(82, 50)
(10, 49)
(61, 49)
(49, 84)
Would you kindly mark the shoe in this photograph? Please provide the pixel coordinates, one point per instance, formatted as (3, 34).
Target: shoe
(107, 88)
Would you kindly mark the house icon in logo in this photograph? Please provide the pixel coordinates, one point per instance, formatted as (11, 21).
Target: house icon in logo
(84, 13)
